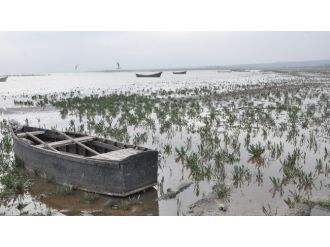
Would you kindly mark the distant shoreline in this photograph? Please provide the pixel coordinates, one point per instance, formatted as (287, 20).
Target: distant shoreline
(322, 66)
(313, 66)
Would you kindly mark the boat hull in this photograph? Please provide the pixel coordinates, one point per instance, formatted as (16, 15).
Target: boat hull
(180, 73)
(3, 79)
(152, 75)
(115, 178)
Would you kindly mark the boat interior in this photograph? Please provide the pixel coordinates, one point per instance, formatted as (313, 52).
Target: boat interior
(76, 143)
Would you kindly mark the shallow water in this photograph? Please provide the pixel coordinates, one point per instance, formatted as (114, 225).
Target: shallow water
(246, 197)
(118, 80)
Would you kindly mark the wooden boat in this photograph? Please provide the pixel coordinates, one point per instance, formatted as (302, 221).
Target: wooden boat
(3, 79)
(179, 72)
(85, 162)
(149, 75)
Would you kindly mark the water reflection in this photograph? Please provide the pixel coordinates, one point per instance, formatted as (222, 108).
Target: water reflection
(258, 161)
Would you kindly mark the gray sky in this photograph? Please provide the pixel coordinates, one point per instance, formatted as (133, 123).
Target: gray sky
(37, 52)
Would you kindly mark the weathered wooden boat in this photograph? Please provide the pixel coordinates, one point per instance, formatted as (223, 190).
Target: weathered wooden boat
(85, 162)
(149, 75)
(180, 72)
(3, 78)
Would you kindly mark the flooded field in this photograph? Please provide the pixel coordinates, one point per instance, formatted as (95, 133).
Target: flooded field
(230, 143)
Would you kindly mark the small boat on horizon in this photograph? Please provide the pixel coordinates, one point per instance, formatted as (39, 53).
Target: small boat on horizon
(179, 72)
(3, 79)
(85, 162)
(149, 75)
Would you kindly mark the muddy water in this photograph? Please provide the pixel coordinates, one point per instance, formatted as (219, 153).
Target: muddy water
(47, 198)
(246, 197)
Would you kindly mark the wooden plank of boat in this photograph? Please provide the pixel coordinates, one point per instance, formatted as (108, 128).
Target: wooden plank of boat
(67, 142)
(105, 145)
(40, 141)
(35, 133)
(77, 142)
(149, 75)
(118, 154)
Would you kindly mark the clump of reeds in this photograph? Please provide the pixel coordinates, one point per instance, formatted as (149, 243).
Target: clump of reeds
(256, 150)
(240, 174)
(325, 203)
(222, 191)
(11, 177)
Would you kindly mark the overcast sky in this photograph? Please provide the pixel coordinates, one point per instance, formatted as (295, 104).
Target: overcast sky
(38, 52)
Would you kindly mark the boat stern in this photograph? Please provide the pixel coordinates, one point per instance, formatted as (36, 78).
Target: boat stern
(140, 171)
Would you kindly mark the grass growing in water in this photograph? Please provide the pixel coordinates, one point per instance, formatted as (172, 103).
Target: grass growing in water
(325, 203)
(256, 150)
(215, 128)
(11, 177)
(240, 174)
(222, 191)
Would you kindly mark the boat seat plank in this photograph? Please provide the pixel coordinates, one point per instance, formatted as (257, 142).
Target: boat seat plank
(67, 142)
(77, 142)
(117, 155)
(40, 141)
(35, 133)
